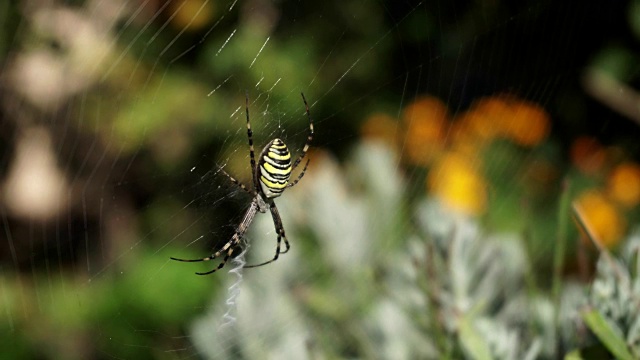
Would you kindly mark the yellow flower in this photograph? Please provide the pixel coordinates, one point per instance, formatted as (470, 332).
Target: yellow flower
(426, 122)
(191, 15)
(602, 217)
(624, 184)
(458, 184)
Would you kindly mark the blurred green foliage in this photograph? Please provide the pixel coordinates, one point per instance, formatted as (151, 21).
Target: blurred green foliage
(64, 316)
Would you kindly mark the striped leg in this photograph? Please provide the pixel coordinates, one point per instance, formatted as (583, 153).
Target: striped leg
(252, 155)
(293, 183)
(281, 235)
(221, 265)
(309, 137)
(277, 221)
(228, 247)
(235, 181)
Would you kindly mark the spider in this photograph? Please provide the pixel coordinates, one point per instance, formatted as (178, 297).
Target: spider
(271, 176)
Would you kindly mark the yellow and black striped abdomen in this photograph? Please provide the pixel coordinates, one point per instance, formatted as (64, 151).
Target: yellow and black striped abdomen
(274, 168)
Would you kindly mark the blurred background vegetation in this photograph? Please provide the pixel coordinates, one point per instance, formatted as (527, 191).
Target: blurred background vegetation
(473, 188)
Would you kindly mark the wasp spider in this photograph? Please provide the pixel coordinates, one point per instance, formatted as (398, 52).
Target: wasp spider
(271, 176)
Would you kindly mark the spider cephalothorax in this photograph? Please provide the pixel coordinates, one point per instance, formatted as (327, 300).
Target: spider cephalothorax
(271, 177)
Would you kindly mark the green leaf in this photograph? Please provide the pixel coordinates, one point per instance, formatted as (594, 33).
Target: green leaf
(574, 355)
(614, 343)
(473, 343)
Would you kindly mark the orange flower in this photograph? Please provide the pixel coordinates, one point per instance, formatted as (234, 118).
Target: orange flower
(488, 117)
(463, 137)
(458, 183)
(602, 217)
(624, 184)
(528, 124)
(523, 122)
(382, 127)
(426, 122)
(587, 155)
(475, 125)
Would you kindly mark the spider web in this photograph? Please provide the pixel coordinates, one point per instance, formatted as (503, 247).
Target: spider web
(118, 116)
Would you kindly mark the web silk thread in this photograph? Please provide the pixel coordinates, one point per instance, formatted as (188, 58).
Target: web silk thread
(230, 316)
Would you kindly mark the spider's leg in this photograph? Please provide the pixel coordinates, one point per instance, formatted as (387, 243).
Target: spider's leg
(252, 154)
(309, 137)
(235, 181)
(277, 221)
(269, 261)
(293, 183)
(217, 254)
(221, 265)
(235, 240)
(281, 235)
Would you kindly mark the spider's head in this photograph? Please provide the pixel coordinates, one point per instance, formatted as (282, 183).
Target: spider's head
(274, 168)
